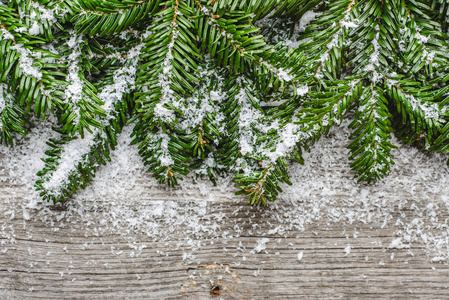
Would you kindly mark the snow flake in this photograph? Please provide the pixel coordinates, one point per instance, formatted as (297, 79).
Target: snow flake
(422, 39)
(306, 18)
(3, 88)
(45, 14)
(302, 90)
(26, 62)
(398, 244)
(167, 94)
(283, 74)
(5, 34)
(261, 245)
(72, 155)
(34, 29)
(348, 24)
(124, 80)
(165, 158)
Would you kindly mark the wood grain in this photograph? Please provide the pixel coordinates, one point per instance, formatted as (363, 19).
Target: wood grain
(44, 264)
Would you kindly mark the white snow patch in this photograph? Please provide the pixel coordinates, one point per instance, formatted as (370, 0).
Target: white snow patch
(71, 156)
(398, 244)
(26, 62)
(165, 158)
(302, 90)
(167, 93)
(281, 73)
(34, 29)
(3, 88)
(124, 80)
(73, 92)
(261, 245)
(5, 34)
(306, 18)
(347, 250)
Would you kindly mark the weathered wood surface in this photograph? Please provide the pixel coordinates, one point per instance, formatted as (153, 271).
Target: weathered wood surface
(84, 253)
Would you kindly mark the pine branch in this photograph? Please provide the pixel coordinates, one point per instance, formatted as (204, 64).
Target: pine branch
(228, 37)
(327, 36)
(169, 57)
(216, 86)
(201, 115)
(327, 108)
(12, 116)
(37, 17)
(29, 72)
(164, 153)
(108, 17)
(81, 102)
(73, 161)
(295, 9)
(242, 112)
(370, 147)
(441, 13)
(424, 116)
(263, 185)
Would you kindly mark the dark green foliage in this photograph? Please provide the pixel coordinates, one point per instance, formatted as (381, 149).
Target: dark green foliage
(212, 87)
(12, 118)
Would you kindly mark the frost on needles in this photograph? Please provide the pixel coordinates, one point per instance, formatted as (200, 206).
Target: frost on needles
(222, 87)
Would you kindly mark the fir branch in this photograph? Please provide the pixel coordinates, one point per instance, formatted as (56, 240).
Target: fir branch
(81, 103)
(370, 147)
(108, 17)
(169, 52)
(327, 37)
(295, 9)
(29, 71)
(211, 93)
(263, 185)
(72, 161)
(164, 153)
(12, 116)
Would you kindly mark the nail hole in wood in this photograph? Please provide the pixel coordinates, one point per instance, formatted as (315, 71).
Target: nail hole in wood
(215, 290)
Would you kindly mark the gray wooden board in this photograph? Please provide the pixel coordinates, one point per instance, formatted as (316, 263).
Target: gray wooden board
(93, 251)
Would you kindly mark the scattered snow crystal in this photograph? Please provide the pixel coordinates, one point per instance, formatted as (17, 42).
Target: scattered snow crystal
(261, 245)
(305, 20)
(5, 34)
(165, 158)
(302, 90)
(2, 101)
(124, 80)
(397, 244)
(26, 61)
(167, 93)
(34, 29)
(70, 158)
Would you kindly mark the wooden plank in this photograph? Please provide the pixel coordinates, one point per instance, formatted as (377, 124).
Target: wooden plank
(44, 263)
